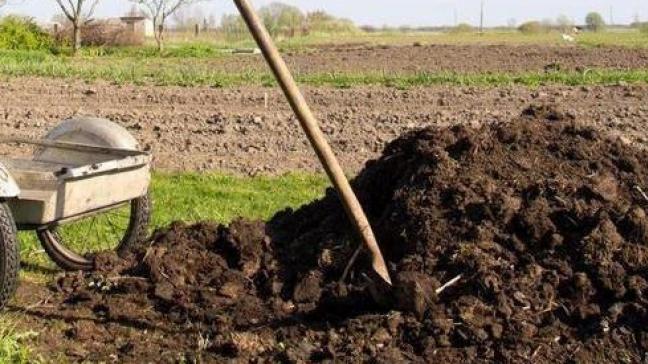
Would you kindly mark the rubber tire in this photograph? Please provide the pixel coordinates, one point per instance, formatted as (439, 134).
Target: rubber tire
(95, 131)
(136, 233)
(85, 130)
(9, 255)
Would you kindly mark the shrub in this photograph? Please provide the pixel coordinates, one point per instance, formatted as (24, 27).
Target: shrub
(19, 33)
(105, 33)
(280, 18)
(532, 27)
(101, 34)
(289, 21)
(462, 28)
(322, 22)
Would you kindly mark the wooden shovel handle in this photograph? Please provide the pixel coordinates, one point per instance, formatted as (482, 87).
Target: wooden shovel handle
(314, 133)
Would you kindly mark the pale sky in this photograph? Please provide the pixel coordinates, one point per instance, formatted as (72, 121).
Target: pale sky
(397, 12)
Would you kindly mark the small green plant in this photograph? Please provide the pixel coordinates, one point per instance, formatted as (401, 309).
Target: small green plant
(12, 345)
(18, 33)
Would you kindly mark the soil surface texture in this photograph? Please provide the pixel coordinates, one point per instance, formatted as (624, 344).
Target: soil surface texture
(231, 130)
(509, 242)
(439, 58)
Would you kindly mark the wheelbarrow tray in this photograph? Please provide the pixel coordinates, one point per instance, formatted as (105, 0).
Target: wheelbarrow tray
(52, 192)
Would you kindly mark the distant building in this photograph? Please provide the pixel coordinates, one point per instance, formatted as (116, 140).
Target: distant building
(138, 25)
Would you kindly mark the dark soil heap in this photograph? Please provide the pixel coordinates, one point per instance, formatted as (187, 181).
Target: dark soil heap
(541, 220)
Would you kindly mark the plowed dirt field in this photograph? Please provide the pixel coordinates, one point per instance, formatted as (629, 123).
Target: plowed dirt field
(232, 130)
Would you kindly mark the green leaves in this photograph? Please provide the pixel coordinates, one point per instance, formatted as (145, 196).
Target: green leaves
(18, 33)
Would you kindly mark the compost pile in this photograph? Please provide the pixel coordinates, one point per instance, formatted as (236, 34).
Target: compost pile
(517, 241)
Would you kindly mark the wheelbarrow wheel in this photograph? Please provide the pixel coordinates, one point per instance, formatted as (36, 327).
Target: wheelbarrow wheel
(74, 246)
(9, 257)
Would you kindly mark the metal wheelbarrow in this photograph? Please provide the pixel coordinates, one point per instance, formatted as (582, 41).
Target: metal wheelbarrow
(84, 190)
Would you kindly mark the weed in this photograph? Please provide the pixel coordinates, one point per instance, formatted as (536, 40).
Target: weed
(12, 344)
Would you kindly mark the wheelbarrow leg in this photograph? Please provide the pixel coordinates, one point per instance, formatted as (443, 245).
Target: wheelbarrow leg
(315, 136)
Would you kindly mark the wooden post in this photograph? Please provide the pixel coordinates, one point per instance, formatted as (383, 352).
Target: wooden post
(481, 18)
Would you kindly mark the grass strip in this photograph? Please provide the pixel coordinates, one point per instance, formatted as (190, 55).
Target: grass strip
(189, 73)
(14, 345)
(202, 76)
(194, 197)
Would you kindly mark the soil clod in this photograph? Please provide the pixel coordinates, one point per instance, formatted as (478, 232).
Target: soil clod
(518, 241)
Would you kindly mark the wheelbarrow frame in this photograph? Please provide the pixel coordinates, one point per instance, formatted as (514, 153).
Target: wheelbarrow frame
(44, 193)
(67, 180)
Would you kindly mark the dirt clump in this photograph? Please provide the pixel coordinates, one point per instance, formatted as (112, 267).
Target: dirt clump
(518, 241)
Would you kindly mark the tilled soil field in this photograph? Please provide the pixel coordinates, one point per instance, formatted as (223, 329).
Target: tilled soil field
(507, 242)
(467, 58)
(442, 58)
(232, 130)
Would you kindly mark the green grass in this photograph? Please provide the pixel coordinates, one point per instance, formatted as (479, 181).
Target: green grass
(195, 197)
(14, 346)
(531, 79)
(184, 50)
(198, 62)
(221, 198)
(194, 72)
(215, 46)
(612, 37)
(628, 38)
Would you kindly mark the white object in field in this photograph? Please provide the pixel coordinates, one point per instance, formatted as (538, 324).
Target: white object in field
(149, 30)
(568, 38)
(96, 167)
(8, 186)
(246, 51)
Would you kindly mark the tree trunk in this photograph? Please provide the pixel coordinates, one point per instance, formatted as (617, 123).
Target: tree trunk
(159, 37)
(77, 38)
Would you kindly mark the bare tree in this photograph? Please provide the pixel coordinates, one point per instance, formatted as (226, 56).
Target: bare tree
(159, 11)
(79, 13)
(187, 17)
(134, 11)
